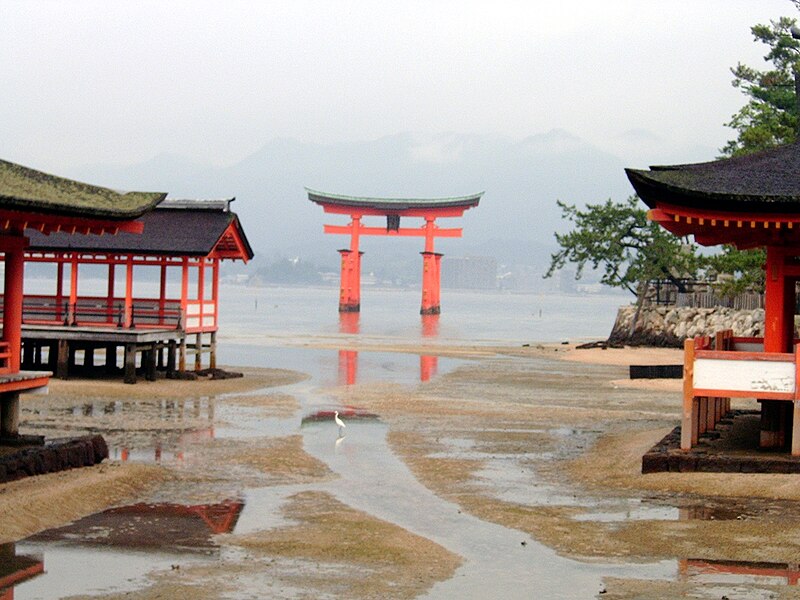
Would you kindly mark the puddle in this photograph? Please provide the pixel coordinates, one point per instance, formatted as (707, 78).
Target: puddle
(373, 479)
(738, 572)
(164, 527)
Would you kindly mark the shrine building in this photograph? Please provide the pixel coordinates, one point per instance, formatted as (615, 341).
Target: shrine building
(34, 201)
(160, 319)
(750, 202)
(393, 209)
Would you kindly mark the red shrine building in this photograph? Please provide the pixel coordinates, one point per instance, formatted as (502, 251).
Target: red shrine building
(751, 201)
(393, 209)
(85, 323)
(181, 247)
(34, 201)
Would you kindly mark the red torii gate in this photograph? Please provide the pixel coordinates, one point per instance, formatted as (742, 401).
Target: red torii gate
(392, 208)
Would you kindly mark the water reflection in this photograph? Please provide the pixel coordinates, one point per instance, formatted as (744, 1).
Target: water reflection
(348, 359)
(731, 571)
(16, 568)
(165, 527)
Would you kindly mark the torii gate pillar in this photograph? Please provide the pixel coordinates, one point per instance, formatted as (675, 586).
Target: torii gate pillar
(350, 284)
(431, 283)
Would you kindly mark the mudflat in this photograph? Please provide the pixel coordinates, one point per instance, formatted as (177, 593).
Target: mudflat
(545, 441)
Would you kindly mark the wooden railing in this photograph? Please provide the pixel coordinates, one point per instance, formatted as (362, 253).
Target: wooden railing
(91, 311)
(5, 357)
(732, 367)
(201, 316)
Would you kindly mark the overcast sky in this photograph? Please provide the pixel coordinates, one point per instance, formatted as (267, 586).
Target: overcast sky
(121, 82)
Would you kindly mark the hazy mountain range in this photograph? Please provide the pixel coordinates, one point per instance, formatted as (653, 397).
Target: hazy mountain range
(515, 221)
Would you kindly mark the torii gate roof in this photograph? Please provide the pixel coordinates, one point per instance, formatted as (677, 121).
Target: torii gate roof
(392, 205)
(748, 201)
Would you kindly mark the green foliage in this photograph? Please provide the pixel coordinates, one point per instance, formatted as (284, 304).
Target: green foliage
(618, 239)
(738, 270)
(770, 116)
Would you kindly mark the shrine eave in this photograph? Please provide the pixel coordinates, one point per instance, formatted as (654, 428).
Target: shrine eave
(710, 228)
(393, 204)
(176, 228)
(763, 182)
(30, 191)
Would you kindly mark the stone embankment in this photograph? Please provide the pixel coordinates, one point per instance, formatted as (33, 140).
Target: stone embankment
(668, 326)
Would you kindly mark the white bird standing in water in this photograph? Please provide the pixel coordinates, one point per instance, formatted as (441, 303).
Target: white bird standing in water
(338, 421)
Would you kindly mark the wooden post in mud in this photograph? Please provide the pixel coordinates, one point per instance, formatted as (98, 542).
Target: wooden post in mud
(198, 352)
(212, 359)
(688, 419)
(130, 363)
(9, 414)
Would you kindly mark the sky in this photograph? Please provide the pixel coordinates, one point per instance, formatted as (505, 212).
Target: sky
(123, 82)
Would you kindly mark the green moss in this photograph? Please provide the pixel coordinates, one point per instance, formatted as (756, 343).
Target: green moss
(22, 188)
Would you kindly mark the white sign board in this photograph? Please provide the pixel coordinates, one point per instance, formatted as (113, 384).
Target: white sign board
(744, 375)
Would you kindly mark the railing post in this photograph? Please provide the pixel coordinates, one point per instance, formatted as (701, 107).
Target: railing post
(687, 418)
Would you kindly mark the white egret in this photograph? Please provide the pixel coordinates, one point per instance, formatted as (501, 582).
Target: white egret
(338, 421)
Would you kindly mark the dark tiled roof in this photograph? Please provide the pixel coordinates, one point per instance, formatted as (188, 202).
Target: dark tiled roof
(393, 203)
(26, 189)
(179, 228)
(767, 181)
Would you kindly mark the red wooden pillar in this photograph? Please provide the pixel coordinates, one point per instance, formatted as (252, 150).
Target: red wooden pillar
(430, 272)
(162, 292)
(73, 289)
(215, 289)
(129, 291)
(201, 300)
(60, 287)
(777, 328)
(350, 285)
(110, 293)
(184, 306)
(14, 248)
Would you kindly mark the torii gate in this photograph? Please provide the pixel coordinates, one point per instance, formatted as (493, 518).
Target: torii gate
(392, 208)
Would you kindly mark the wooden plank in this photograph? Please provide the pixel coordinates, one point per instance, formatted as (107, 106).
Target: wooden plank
(749, 376)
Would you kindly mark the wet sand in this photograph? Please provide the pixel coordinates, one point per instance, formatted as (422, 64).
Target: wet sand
(543, 440)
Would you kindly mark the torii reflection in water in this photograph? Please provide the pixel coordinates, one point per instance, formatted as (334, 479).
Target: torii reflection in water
(348, 359)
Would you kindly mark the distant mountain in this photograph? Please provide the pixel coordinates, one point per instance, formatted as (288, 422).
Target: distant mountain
(518, 214)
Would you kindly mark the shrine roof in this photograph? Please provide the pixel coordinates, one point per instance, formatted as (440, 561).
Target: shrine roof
(174, 228)
(393, 204)
(28, 190)
(767, 181)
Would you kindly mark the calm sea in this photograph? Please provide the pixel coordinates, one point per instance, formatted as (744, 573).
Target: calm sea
(289, 314)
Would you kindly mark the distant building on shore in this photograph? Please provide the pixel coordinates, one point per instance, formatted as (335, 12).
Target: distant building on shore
(469, 272)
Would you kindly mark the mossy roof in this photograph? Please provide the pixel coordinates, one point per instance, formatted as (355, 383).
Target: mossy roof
(26, 189)
(767, 181)
(392, 203)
